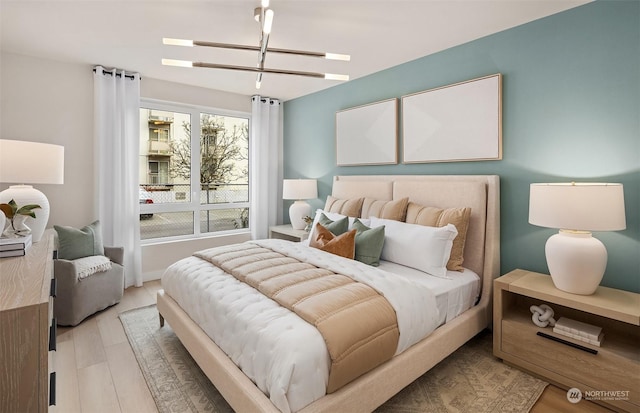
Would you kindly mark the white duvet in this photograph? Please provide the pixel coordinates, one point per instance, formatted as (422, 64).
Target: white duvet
(284, 355)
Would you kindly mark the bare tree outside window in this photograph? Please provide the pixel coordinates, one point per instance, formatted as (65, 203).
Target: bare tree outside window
(223, 152)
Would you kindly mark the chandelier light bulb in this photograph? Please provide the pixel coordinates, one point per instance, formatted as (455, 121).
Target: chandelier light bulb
(268, 21)
(179, 63)
(177, 42)
(336, 56)
(332, 76)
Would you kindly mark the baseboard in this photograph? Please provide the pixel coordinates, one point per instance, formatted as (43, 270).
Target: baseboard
(152, 275)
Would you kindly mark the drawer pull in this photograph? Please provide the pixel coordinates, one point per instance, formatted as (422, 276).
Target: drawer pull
(568, 343)
(52, 389)
(52, 335)
(54, 288)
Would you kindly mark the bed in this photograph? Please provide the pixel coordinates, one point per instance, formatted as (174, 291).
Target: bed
(481, 257)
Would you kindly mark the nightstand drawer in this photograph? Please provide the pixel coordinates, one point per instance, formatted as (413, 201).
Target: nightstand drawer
(606, 371)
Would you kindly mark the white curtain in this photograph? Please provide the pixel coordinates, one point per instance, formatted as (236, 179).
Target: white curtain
(117, 147)
(266, 165)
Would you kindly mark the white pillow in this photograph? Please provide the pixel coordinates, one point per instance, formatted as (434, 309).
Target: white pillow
(417, 246)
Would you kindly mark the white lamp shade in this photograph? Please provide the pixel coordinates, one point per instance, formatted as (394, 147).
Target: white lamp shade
(578, 206)
(576, 260)
(24, 162)
(299, 189)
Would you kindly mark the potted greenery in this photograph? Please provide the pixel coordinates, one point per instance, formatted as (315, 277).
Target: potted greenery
(16, 217)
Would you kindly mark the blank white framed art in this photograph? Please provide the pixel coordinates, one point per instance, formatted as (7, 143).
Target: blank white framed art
(368, 134)
(458, 122)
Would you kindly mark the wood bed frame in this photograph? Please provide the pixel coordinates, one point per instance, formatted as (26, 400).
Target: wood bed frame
(482, 255)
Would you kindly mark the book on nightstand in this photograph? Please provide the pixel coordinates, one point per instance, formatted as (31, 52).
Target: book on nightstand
(14, 247)
(579, 331)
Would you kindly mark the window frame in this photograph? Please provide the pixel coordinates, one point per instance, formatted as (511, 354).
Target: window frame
(194, 204)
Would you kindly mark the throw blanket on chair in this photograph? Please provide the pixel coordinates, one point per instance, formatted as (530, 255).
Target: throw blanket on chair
(357, 323)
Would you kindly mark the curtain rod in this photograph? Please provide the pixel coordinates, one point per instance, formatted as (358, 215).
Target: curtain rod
(106, 72)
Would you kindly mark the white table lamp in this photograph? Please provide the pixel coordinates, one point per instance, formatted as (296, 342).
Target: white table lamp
(577, 260)
(24, 162)
(300, 190)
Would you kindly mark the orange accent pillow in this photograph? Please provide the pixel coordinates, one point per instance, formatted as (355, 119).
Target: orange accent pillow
(343, 245)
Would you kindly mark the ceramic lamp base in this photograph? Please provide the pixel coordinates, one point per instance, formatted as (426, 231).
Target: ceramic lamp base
(297, 211)
(576, 261)
(25, 195)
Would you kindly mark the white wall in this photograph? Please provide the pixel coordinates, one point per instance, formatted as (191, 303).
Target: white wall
(52, 102)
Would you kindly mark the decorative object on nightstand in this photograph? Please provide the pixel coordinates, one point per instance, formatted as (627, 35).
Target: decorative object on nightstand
(300, 190)
(30, 163)
(308, 222)
(577, 330)
(577, 260)
(542, 315)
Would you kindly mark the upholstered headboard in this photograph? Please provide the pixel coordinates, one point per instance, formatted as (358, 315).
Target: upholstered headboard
(481, 193)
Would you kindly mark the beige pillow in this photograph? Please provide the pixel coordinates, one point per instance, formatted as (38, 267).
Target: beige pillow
(348, 207)
(438, 217)
(396, 210)
(343, 245)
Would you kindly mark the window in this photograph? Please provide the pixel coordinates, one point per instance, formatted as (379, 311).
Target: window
(176, 140)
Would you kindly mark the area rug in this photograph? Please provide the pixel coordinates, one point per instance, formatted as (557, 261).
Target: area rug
(470, 380)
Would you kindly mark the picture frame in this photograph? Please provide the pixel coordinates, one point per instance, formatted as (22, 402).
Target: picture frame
(368, 134)
(457, 122)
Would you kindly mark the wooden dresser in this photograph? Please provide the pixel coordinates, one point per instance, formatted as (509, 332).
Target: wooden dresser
(27, 330)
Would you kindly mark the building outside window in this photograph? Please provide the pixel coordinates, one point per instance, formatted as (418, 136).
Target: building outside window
(175, 141)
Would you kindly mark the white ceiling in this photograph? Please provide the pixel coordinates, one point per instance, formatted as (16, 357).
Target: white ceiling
(377, 34)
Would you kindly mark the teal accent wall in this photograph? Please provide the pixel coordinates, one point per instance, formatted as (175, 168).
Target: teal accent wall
(571, 111)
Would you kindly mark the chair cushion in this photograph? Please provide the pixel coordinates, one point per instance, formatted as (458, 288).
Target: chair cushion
(76, 243)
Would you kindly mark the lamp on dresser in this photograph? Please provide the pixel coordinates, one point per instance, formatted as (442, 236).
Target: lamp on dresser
(23, 162)
(576, 259)
(299, 190)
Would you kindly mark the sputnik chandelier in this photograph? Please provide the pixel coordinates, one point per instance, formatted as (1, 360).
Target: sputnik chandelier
(264, 16)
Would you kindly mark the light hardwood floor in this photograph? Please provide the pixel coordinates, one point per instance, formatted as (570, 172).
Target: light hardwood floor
(98, 372)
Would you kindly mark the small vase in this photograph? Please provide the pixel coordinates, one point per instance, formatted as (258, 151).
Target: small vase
(17, 227)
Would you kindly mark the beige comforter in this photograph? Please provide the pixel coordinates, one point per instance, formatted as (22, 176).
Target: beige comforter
(358, 324)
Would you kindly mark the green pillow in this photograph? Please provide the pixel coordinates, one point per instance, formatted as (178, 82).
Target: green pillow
(78, 243)
(369, 243)
(336, 227)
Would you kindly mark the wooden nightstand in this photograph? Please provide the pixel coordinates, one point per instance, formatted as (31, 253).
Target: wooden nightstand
(614, 371)
(288, 233)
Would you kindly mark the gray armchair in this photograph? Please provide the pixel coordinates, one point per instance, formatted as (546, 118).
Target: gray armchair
(78, 299)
